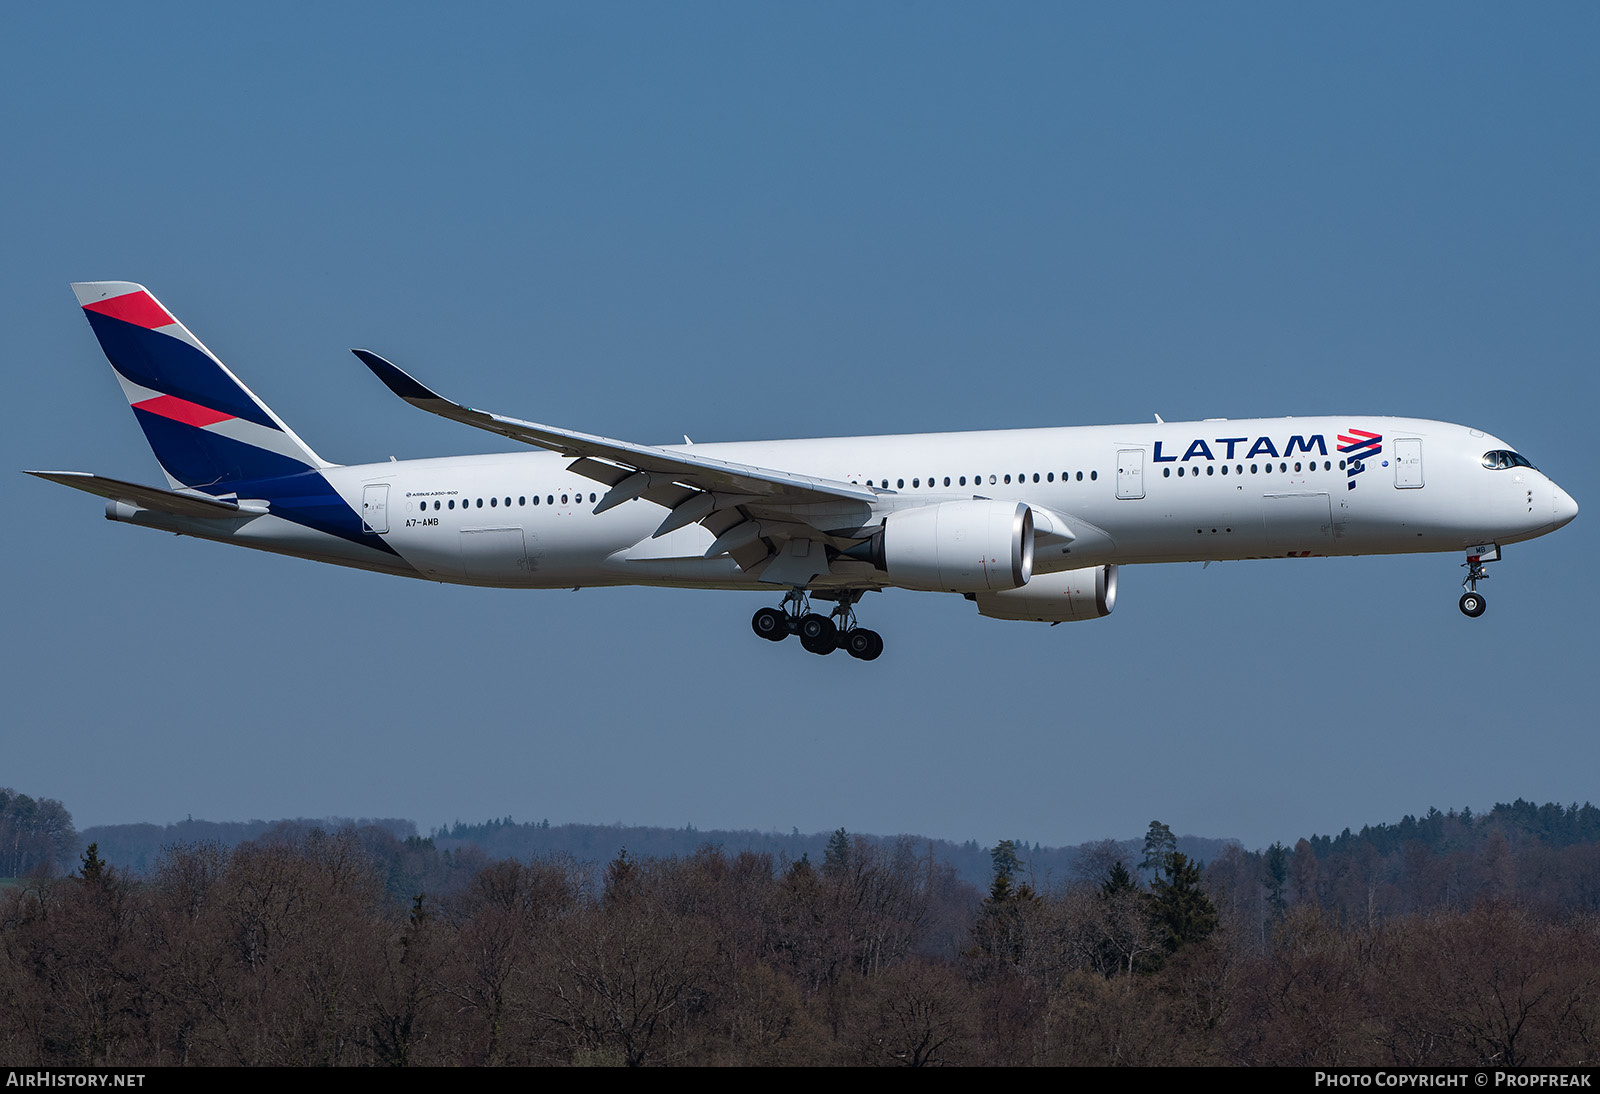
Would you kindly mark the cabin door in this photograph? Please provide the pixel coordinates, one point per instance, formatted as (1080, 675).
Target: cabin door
(375, 509)
(1408, 463)
(1130, 473)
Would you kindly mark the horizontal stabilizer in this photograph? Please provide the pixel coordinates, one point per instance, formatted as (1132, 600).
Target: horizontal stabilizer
(152, 497)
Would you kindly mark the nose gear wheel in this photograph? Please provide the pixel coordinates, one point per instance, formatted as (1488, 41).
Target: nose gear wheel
(1472, 602)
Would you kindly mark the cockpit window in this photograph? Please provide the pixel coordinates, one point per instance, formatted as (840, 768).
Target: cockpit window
(1504, 458)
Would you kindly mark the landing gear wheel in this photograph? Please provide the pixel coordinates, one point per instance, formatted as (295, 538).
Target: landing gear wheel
(818, 634)
(770, 624)
(1472, 605)
(862, 644)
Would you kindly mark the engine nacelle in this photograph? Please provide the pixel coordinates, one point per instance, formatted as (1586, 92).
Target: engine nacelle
(1088, 593)
(957, 546)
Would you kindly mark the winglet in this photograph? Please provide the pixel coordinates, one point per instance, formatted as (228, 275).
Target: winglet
(395, 378)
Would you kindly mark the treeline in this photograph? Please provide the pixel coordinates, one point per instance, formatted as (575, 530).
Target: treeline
(296, 950)
(504, 838)
(36, 834)
(1546, 859)
(138, 847)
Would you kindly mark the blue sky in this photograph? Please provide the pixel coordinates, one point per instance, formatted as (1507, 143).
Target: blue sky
(742, 221)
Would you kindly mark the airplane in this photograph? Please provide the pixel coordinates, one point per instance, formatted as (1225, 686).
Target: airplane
(1028, 524)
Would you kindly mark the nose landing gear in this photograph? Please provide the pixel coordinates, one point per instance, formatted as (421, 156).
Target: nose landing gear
(819, 634)
(1473, 602)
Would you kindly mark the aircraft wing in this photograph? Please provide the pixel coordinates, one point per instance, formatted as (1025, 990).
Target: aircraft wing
(660, 464)
(730, 499)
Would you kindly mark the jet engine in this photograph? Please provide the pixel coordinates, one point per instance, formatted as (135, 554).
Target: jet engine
(955, 546)
(1088, 593)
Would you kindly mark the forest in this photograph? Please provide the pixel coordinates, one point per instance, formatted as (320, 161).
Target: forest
(1453, 939)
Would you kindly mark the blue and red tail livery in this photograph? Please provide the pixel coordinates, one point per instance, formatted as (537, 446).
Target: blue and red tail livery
(207, 429)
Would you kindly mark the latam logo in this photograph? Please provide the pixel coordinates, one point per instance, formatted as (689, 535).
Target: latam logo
(1358, 447)
(1262, 446)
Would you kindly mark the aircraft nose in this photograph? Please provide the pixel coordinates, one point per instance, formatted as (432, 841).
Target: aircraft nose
(1565, 507)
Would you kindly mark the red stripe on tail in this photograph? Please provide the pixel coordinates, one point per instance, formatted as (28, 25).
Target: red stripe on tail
(181, 410)
(134, 307)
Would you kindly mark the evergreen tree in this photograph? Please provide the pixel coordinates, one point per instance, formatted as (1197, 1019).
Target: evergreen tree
(1277, 877)
(1117, 880)
(1180, 905)
(1006, 865)
(621, 878)
(94, 870)
(836, 859)
(1159, 847)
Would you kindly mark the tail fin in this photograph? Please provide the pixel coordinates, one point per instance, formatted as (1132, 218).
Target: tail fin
(207, 429)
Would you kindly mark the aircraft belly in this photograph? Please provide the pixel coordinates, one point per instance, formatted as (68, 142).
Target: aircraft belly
(268, 533)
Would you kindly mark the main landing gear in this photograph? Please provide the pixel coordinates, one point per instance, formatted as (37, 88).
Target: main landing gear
(819, 633)
(1472, 601)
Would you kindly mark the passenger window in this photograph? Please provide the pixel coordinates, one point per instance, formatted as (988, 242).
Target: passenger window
(492, 502)
(1166, 472)
(1093, 475)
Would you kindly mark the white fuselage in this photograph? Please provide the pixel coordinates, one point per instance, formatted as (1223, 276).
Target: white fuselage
(1160, 492)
